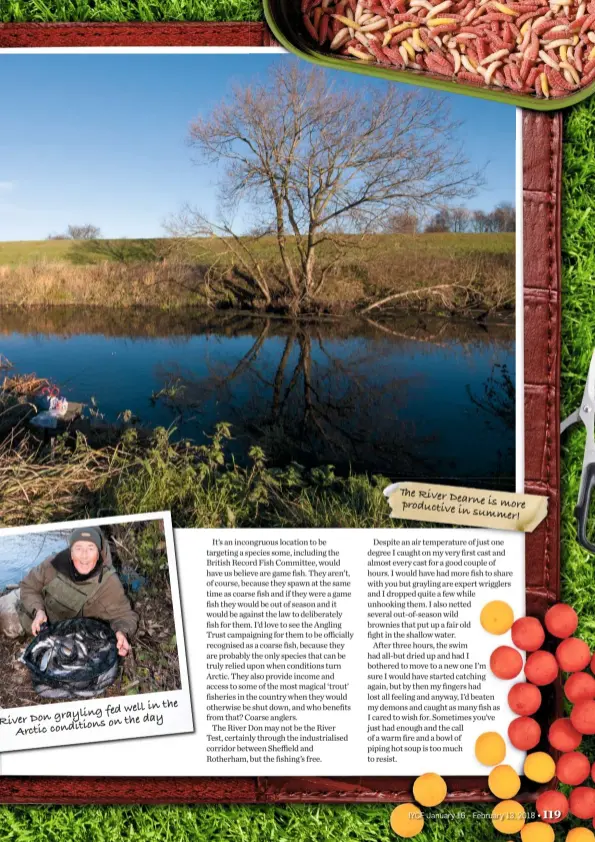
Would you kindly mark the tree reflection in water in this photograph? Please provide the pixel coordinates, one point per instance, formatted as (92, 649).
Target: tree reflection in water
(315, 400)
(410, 396)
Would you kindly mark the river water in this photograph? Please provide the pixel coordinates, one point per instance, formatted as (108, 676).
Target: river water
(408, 397)
(19, 553)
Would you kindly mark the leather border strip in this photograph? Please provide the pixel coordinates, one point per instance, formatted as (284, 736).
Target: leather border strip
(199, 34)
(542, 160)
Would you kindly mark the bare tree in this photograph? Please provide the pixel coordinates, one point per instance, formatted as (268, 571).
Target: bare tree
(83, 232)
(401, 222)
(320, 159)
(504, 217)
(480, 222)
(449, 219)
(459, 220)
(440, 223)
(502, 220)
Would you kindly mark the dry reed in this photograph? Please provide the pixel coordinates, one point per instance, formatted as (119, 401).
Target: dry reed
(352, 284)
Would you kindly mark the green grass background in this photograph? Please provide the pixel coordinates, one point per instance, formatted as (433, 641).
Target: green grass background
(17, 11)
(369, 823)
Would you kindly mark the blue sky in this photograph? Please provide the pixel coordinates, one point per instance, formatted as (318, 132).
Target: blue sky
(102, 138)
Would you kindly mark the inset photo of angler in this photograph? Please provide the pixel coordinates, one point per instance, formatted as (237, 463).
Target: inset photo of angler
(98, 608)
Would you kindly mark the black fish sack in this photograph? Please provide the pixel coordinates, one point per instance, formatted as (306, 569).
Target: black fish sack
(72, 659)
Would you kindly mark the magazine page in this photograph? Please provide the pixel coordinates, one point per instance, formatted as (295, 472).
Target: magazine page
(314, 363)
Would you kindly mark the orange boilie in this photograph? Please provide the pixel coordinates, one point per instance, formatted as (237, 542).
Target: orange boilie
(496, 617)
(407, 820)
(537, 832)
(582, 802)
(429, 790)
(579, 686)
(573, 768)
(563, 736)
(580, 834)
(528, 634)
(524, 733)
(573, 655)
(541, 668)
(525, 699)
(552, 806)
(539, 767)
(490, 748)
(506, 662)
(504, 782)
(561, 620)
(583, 716)
(508, 817)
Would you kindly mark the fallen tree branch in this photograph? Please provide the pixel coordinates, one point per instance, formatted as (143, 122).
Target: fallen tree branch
(433, 290)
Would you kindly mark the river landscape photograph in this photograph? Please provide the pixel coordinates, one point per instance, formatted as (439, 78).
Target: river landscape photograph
(256, 301)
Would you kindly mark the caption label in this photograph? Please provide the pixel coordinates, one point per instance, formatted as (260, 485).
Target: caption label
(466, 506)
(86, 717)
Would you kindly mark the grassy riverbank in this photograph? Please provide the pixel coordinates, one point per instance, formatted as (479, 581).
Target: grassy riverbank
(200, 486)
(474, 271)
(77, 252)
(113, 471)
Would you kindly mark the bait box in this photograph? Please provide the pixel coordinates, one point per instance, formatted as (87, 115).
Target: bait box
(284, 18)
